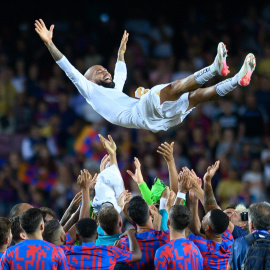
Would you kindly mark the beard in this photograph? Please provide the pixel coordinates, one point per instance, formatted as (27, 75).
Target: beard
(107, 85)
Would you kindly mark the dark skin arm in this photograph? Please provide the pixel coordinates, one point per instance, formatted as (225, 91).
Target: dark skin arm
(71, 209)
(85, 182)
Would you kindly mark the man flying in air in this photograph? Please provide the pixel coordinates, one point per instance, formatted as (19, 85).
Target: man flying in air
(159, 108)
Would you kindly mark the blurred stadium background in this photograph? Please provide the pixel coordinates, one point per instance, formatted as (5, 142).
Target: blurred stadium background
(48, 132)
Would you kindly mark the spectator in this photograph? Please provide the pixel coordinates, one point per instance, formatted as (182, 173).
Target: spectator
(259, 226)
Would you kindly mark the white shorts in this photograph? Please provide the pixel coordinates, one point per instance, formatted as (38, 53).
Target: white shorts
(158, 117)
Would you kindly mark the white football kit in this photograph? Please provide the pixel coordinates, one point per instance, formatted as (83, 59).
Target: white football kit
(122, 110)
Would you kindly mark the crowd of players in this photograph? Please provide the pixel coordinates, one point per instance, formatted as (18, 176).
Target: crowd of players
(167, 233)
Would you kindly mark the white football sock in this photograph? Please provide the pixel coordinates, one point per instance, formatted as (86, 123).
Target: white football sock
(205, 74)
(224, 87)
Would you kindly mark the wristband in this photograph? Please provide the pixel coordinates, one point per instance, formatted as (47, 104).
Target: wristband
(162, 203)
(181, 195)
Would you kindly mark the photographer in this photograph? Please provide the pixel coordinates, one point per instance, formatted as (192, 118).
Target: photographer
(259, 224)
(239, 221)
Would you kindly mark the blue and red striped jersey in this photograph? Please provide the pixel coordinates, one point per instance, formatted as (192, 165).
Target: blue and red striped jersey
(215, 256)
(69, 240)
(34, 254)
(90, 256)
(179, 254)
(149, 242)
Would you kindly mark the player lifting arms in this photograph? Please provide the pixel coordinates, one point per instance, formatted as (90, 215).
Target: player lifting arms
(159, 108)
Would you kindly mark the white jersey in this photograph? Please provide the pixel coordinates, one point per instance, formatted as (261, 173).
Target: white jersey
(122, 110)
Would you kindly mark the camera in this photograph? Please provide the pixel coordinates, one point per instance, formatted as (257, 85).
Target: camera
(244, 216)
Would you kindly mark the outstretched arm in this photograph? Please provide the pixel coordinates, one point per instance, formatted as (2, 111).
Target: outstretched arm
(123, 47)
(209, 200)
(84, 86)
(46, 35)
(85, 182)
(166, 150)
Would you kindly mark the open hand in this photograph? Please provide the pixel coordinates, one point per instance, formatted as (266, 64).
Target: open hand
(166, 150)
(75, 202)
(123, 199)
(86, 181)
(109, 145)
(45, 34)
(185, 182)
(137, 177)
(104, 162)
(123, 45)
(211, 170)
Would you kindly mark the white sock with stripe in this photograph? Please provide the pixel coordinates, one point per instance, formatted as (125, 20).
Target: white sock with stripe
(205, 74)
(224, 87)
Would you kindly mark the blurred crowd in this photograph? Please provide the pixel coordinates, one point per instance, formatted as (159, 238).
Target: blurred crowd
(48, 132)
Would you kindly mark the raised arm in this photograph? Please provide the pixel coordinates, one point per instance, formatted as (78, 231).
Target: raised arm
(123, 47)
(71, 209)
(138, 178)
(110, 146)
(209, 201)
(184, 185)
(166, 150)
(85, 182)
(84, 86)
(46, 36)
(195, 224)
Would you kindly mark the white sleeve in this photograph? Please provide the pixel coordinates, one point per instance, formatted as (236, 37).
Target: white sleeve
(120, 75)
(84, 86)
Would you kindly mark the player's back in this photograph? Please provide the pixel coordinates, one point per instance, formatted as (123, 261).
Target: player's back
(90, 256)
(214, 254)
(33, 254)
(179, 254)
(149, 242)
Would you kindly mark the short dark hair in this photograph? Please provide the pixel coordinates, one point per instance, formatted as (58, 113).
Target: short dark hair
(16, 229)
(51, 229)
(180, 217)
(15, 210)
(5, 226)
(46, 210)
(138, 210)
(108, 219)
(30, 220)
(233, 206)
(219, 221)
(259, 214)
(86, 227)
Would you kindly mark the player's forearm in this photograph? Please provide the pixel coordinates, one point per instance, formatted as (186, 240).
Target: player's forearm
(85, 210)
(72, 220)
(113, 160)
(199, 193)
(209, 200)
(179, 201)
(120, 56)
(173, 175)
(65, 217)
(56, 54)
(157, 222)
(195, 224)
(134, 247)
